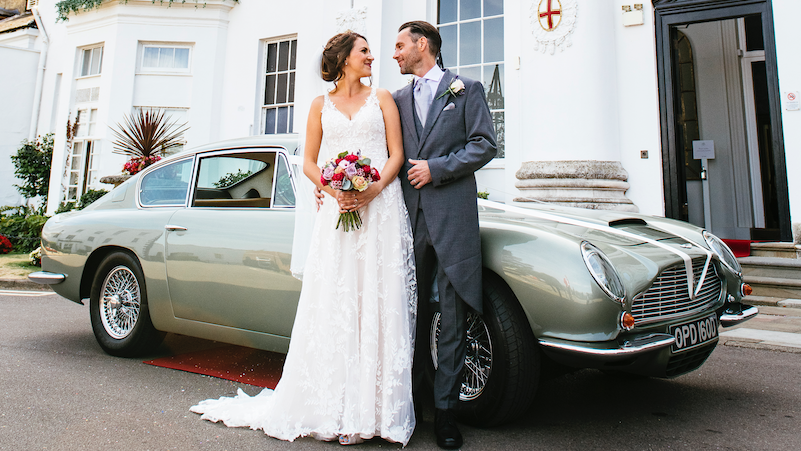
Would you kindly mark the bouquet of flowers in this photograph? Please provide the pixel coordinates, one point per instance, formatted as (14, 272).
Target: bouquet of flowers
(136, 164)
(347, 172)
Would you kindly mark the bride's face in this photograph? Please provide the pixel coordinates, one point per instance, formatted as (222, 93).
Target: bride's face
(360, 60)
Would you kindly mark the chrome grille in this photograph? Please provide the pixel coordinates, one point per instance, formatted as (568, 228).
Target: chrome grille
(669, 298)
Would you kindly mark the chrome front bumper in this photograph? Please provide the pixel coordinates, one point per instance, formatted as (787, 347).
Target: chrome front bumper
(610, 351)
(732, 317)
(47, 278)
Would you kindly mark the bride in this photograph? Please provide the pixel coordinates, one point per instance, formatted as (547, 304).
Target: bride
(347, 374)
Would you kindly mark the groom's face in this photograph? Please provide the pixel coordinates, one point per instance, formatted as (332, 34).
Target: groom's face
(407, 52)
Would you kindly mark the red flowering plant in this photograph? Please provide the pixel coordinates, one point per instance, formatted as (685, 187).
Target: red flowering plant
(349, 172)
(136, 164)
(5, 245)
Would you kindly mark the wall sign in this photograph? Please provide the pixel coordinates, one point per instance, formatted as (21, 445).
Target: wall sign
(552, 23)
(704, 150)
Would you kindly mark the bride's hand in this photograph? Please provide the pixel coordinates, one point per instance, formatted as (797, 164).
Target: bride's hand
(366, 196)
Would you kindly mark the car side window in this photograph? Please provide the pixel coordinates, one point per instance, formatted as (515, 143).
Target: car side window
(284, 191)
(167, 185)
(235, 180)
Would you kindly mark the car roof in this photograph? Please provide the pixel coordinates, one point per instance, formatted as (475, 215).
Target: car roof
(286, 140)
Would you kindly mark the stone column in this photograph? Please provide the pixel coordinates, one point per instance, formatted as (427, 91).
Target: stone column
(570, 152)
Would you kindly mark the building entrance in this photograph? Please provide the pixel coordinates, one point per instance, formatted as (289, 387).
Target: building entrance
(723, 149)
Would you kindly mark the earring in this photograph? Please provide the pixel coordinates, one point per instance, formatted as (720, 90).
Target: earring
(346, 63)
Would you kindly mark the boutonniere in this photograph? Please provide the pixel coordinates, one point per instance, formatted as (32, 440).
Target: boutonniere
(456, 88)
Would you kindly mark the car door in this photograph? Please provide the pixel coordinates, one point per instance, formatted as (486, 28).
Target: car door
(228, 254)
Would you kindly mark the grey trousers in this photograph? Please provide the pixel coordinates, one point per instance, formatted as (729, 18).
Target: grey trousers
(451, 346)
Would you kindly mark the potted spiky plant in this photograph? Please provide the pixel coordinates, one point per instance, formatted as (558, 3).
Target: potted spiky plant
(145, 136)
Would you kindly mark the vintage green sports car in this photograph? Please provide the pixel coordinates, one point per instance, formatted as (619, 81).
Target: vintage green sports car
(200, 244)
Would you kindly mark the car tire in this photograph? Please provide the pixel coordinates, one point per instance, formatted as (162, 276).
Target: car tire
(119, 310)
(502, 366)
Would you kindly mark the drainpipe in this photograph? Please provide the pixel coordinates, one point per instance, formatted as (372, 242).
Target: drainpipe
(37, 96)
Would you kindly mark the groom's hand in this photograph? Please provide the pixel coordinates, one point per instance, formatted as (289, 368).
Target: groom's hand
(419, 174)
(318, 196)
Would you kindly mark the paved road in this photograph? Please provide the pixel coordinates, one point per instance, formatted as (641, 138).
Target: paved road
(60, 392)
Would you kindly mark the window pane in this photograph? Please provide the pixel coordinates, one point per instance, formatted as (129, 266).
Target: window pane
(269, 90)
(473, 73)
(151, 57)
(447, 11)
(87, 61)
(74, 176)
(272, 57)
(753, 33)
(97, 59)
(283, 80)
(500, 133)
(181, 59)
(470, 9)
(449, 42)
(283, 55)
(493, 40)
(291, 87)
(166, 185)
(166, 56)
(284, 194)
(493, 7)
(293, 54)
(283, 120)
(493, 85)
(470, 43)
(269, 121)
(291, 119)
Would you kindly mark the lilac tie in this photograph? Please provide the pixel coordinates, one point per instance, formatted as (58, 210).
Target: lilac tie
(422, 100)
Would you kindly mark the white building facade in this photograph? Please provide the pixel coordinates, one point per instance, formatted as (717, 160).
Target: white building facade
(597, 103)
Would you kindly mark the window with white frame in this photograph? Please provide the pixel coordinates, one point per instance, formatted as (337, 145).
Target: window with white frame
(91, 61)
(165, 58)
(278, 96)
(472, 46)
(82, 162)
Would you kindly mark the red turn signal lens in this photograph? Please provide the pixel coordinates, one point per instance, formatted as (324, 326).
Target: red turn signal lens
(747, 290)
(627, 321)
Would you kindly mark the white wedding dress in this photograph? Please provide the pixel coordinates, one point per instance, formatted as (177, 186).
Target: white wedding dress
(348, 370)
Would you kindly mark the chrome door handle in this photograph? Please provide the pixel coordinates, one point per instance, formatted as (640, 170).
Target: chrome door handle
(175, 228)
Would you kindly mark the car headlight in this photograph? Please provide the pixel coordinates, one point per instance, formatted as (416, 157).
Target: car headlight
(603, 272)
(723, 252)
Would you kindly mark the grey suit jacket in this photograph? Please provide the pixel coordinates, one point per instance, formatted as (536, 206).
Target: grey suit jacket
(457, 142)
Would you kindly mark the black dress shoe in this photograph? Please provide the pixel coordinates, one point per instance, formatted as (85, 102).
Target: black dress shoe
(448, 435)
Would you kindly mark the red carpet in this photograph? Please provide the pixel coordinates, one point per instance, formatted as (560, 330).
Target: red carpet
(234, 363)
(741, 248)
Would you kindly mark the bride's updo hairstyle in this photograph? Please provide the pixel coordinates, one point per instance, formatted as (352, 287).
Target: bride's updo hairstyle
(335, 53)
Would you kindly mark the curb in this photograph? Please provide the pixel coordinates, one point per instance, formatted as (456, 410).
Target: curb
(22, 284)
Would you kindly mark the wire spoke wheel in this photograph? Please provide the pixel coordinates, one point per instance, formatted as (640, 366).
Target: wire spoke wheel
(478, 359)
(121, 301)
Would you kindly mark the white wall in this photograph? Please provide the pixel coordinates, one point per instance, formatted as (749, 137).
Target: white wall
(18, 79)
(788, 35)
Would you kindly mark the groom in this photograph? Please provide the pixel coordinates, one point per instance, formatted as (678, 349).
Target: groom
(448, 135)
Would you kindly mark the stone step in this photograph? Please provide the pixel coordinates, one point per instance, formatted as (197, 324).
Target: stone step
(784, 268)
(782, 250)
(767, 301)
(774, 286)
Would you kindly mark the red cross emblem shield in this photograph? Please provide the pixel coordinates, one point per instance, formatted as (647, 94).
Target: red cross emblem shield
(549, 13)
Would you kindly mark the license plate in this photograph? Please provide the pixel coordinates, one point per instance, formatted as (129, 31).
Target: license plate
(694, 333)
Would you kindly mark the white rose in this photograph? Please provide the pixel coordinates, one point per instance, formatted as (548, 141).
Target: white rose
(457, 86)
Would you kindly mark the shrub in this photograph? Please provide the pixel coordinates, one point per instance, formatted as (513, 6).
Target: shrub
(5, 245)
(23, 229)
(32, 166)
(90, 196)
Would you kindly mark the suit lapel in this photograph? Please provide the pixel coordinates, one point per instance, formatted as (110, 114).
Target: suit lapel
(406, 102)
(437, 105)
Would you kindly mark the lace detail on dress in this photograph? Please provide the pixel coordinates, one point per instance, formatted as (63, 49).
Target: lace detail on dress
(348, 370)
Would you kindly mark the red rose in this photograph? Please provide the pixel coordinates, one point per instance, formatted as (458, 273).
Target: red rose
(338, 176)
(376, 175)
(338, 160)
(366, 168)
(352, 158)
(323, 181)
